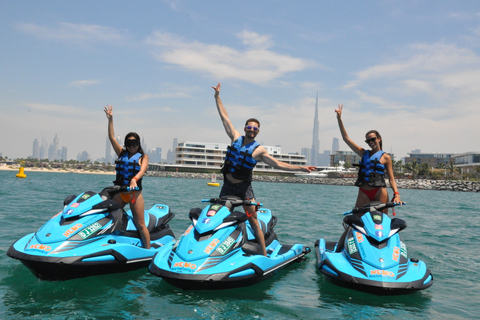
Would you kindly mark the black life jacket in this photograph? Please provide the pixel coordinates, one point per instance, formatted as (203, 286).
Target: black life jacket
(127, 168)
(239, 161)
(371, 170)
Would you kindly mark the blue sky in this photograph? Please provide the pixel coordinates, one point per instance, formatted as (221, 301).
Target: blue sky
(409, 69)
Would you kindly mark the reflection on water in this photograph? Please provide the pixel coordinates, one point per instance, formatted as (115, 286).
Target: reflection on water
(25, 295)
(441, 226)
(360, 305)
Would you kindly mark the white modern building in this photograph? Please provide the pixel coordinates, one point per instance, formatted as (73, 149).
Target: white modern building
(206, 155)
(467, 161)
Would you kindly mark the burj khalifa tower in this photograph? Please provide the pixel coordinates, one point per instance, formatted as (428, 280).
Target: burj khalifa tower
(315, 142)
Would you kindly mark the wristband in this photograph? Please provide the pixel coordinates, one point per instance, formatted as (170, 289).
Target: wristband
(396, 192)
(136, 179)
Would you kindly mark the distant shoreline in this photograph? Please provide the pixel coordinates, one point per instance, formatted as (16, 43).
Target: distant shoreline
(27, 170)
(421, 184)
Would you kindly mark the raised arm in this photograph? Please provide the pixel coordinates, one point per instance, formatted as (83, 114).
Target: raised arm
(355, 148)
(262, 154)
(111, 134)
(227, 124)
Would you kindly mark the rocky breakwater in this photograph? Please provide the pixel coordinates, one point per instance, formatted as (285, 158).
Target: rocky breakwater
(423, 184)
(449, 185)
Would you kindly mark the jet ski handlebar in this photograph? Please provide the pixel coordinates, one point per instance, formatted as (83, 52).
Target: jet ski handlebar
(111, 191)
(232, 202)
(373, 206)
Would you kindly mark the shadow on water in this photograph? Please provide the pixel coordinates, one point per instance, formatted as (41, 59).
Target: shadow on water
(255, 292)
(367, 304)
(441, 235)
(235, 303)
(91, 297)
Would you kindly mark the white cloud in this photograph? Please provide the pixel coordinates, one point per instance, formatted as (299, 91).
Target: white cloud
(71, 32)
(380, 102)
(256, 64)
(255, 40)
(425, 61)
(414, 85)
(55, 109)
(83, 83)
(150, 96)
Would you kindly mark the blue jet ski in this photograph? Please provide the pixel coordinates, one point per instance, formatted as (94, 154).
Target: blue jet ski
(372, 257)
(219, 251)
(92, 235)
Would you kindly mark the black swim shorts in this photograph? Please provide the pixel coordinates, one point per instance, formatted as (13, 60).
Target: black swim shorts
(243, 190)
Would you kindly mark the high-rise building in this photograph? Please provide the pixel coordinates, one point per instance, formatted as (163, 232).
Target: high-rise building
(43, 150)
(171, 153)
(143, 144)
(306, 152)
(335, 145)
(36, 149)
(155, 155)
(108, 151)
(83, 156)
(315, 142)
(55, 148)
(63, 154)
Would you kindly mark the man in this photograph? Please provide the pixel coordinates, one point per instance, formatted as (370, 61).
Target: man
(240, 160)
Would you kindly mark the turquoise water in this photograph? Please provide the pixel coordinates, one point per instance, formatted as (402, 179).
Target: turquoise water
(443, 230)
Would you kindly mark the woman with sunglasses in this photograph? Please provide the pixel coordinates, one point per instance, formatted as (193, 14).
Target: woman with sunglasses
(374, 165)
(242, 156)
(130, 167)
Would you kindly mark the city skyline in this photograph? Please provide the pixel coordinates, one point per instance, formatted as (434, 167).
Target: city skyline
(54, 153)
(155, 155)
(407, 69)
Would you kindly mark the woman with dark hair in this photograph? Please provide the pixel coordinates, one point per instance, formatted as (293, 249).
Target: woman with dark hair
(131, 165)
(375, 164)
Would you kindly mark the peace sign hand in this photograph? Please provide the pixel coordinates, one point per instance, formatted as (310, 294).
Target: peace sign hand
(108, 111)
(339, 111)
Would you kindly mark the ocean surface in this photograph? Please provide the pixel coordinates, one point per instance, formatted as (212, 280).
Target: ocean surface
(443, 230)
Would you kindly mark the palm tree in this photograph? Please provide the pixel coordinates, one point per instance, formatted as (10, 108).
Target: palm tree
(451, 168)
(424, 169)
(477, 170)
(347, 165)
(415, 168)
(397, 166)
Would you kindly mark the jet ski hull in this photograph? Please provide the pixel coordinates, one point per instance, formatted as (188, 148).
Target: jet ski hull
(409, 277)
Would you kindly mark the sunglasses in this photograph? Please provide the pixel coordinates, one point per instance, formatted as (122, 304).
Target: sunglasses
(251, 128)
(132, 143)
(371, 140)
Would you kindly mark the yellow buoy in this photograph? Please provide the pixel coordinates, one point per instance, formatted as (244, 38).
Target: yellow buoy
(213, 181)
(21, 173)
(213, 184)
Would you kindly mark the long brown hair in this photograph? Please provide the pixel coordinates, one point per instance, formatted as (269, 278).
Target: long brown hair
(378, 136)
(136, 136)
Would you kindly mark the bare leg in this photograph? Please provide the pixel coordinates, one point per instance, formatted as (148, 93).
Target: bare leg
(382, 196)
(362, 199)
(138, 211)
(259, 236)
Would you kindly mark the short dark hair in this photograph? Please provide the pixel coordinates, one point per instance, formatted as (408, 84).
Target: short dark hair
(252, 120)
